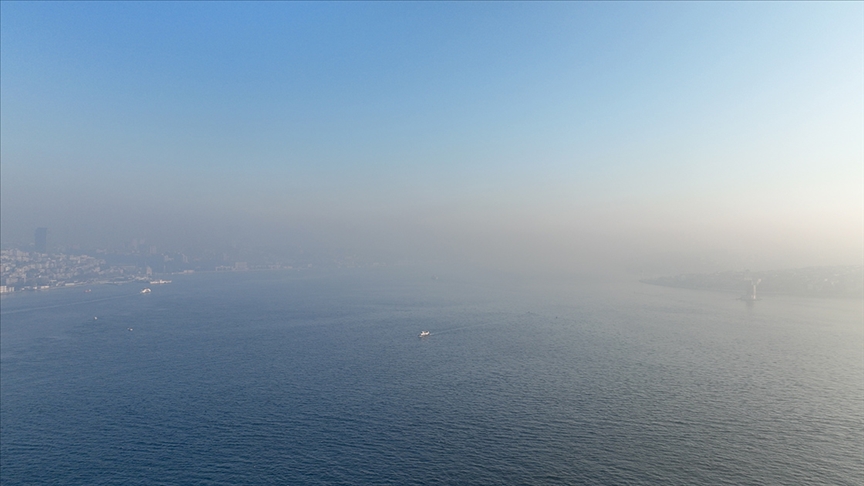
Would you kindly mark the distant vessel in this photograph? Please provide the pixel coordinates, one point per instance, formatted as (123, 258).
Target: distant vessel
(424, 333)
(159, 282)
(146, 291)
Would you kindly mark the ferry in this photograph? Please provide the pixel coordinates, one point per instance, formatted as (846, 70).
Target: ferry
(424, 333)
(159, 282)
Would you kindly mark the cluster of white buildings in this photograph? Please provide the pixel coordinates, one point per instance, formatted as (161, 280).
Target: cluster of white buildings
(21, 270)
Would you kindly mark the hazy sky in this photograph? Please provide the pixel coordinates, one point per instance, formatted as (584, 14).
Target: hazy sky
(551, 132)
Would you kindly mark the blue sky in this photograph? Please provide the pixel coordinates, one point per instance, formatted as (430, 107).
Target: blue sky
(653, 122)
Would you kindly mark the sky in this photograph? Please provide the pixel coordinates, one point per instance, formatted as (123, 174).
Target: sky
(548, 135)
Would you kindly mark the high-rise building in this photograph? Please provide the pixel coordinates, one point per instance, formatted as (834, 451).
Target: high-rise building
(41, 240)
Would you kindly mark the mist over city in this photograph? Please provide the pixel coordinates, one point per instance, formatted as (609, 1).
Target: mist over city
(431, 242)
(552, 136)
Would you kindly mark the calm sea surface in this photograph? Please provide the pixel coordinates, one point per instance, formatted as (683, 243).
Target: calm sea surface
(320, 378)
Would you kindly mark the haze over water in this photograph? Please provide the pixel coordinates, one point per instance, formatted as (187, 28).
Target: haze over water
(501, 175)
(320, 378)
(548, 137)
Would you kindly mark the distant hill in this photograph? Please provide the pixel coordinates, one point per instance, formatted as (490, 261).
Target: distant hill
(843, 281)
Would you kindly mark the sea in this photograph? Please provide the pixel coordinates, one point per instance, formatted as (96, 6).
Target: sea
(320, 377)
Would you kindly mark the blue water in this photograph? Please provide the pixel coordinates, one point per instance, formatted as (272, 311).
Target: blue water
(320, 378)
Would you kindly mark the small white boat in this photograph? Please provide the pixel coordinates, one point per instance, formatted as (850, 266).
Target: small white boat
(424, 333)
(146, 291)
